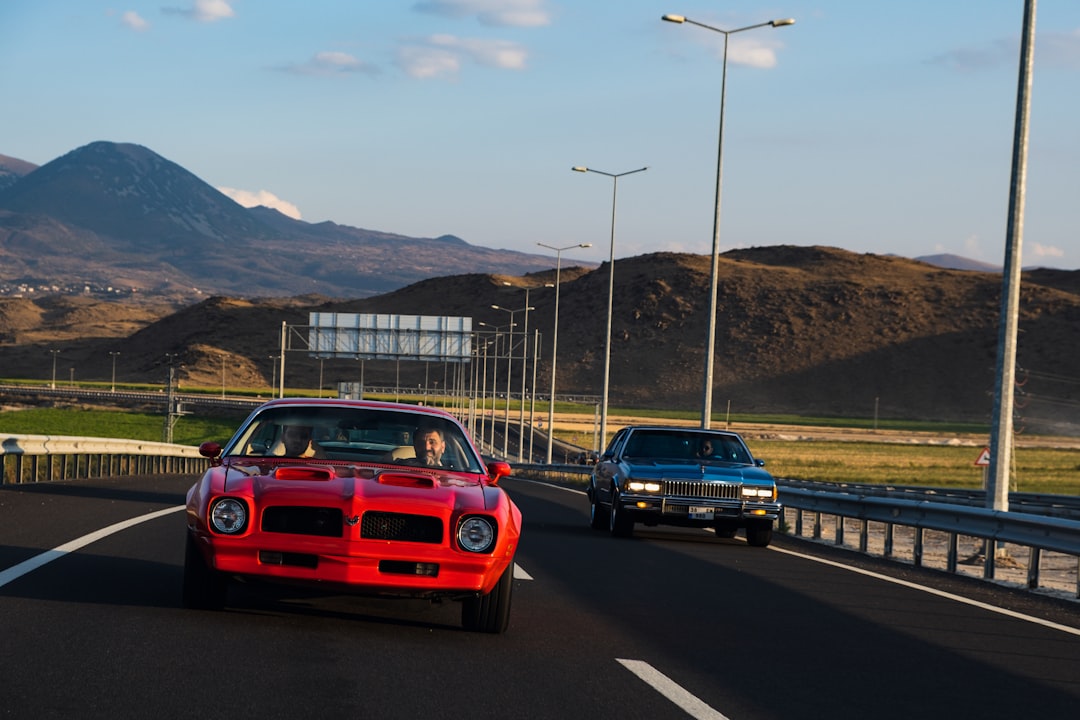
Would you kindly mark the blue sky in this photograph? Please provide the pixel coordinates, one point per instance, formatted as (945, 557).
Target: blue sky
(872, 126)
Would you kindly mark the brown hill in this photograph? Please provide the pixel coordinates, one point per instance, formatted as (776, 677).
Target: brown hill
(799, 330)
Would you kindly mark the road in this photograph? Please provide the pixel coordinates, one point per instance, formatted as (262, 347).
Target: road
(668, 624)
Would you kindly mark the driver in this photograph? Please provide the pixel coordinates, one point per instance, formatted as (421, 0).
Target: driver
(298, 442)
(429, 444)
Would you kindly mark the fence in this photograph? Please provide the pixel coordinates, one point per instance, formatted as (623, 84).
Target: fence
(41, 458)
(1036, 532)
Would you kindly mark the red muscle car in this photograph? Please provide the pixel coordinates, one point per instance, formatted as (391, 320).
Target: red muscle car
(372, 498)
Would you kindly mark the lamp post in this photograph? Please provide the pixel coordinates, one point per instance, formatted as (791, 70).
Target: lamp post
(509, 362)
(52, 385)
(113, 356)
(524, 369)
(495, 377)
(611, 292)
(710, 346)
(555, 341)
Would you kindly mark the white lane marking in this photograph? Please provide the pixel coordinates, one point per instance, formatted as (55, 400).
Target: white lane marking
(933, 591)
(674, 692)
(520, 574)
(17, 571)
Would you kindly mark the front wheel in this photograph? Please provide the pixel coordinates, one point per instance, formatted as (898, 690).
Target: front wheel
(490, 613)
(620, 524)
(204, 587)
(759, 534)
(598, 516)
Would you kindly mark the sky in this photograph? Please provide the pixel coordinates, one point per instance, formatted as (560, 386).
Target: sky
(872, 126)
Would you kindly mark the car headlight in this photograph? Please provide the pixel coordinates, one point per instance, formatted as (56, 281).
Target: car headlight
(758, 493)
(476, 534)
(642, 486)
(228, 516)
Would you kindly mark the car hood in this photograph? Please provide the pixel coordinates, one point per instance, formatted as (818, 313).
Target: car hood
(701, 471)
(279, 483)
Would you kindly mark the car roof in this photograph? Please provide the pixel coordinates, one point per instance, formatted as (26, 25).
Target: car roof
(680, 428)
(367, 404)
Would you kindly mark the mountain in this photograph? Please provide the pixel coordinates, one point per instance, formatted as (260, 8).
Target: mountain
(804, 330)
(118, 216)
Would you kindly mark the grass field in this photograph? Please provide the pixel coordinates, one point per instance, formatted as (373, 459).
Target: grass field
(1036, 469)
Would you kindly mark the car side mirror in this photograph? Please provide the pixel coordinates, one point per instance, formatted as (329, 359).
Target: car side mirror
(759, 462)
(497, 469)
(211, 451)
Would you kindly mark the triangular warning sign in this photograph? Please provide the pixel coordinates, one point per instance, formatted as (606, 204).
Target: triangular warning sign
(984, 458)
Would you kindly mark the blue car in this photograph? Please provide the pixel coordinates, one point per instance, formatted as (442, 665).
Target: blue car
(689, 477)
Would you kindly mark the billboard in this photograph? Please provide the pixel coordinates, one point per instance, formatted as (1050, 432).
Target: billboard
(377, 336)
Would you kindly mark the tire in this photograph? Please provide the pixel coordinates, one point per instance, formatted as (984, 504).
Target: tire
(620, 524)
(759, 534)
(204, 587)
(490, 613)
(598, 516)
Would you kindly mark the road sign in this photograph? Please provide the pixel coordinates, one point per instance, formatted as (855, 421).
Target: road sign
(984, 458)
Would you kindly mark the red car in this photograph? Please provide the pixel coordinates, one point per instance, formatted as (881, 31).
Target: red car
(373, 498)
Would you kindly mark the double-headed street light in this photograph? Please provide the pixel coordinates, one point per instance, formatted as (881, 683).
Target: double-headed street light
(113, 355)
(611, 293)
(555, 341)
(710, 346)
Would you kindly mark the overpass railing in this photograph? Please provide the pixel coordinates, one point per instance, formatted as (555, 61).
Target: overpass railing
(41, 458)
(955, 518)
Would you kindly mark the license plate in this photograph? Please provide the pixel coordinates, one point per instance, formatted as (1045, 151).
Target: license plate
(699, 513)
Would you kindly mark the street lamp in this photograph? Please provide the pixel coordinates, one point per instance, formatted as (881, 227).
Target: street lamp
(509, 362)
(113, 356)
(555, 341)
(495, 377)
(52, 385)
(611, 292)
(710, 347)
(524, 369)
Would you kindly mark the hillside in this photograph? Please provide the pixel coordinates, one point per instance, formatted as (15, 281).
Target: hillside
(800, 330)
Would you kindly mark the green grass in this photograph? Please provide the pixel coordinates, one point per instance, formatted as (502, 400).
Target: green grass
(188, 430)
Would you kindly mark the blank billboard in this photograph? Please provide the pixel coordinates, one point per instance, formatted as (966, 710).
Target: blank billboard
(377, 336)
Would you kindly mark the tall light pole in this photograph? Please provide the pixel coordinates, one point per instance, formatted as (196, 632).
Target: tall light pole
(495, 377)
(710, 343)
(1001, 430)
(611, 292)
(52, 385)
(555, 341)
(113, 356)
(509, 362)
(524, 368)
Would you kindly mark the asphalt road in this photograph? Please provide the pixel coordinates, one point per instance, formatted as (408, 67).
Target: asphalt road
(668, 624)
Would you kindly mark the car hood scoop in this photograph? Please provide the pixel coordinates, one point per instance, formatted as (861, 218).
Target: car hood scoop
(304, 472)
(411, 480)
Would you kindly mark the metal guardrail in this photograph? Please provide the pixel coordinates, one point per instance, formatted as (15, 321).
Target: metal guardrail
(42, 458)
(952, 514)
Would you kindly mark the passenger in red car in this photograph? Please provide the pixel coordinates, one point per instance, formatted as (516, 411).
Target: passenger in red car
(429, 445)
(299, 442)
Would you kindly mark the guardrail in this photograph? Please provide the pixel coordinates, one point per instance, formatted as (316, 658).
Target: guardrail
(41, 458)
(956, 517)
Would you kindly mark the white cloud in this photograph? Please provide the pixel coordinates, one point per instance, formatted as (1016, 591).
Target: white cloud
(752, 52)
(132, 20)
(493, 53)
(428, 62)
(499, 13)
(331, 63)
(205, 11)
(265, 198)
(444, 55)
(1046, 251)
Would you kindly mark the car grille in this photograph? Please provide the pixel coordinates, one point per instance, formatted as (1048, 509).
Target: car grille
(321, 521)
(398, 526)
(697, 489)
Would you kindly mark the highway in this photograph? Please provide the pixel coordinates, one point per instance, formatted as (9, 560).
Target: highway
(668, 624)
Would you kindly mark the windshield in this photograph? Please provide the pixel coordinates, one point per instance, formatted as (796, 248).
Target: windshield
(686, 445)
(356, 435)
